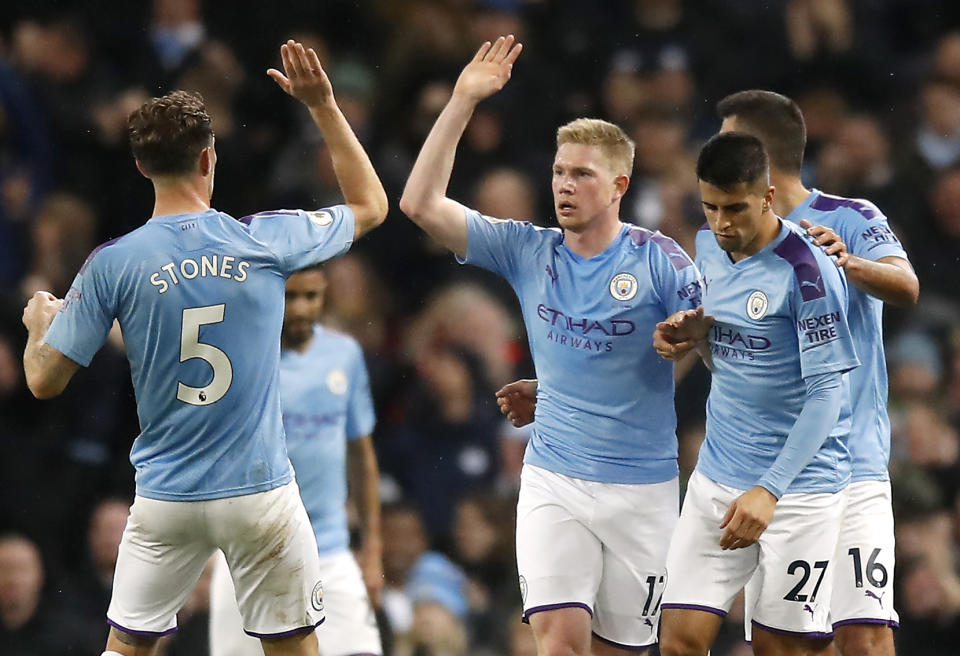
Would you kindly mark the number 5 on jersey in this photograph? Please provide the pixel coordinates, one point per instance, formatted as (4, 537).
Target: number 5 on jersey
(191, 347)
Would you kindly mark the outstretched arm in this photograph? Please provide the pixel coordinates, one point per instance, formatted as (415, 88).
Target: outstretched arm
(425, 195)
(891, 279)
(304, 79)
(47, 370)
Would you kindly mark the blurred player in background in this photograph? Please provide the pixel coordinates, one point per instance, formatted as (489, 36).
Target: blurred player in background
(328, 418)
(877, 267)
(778, 417)
(199, 298)
(599, 488)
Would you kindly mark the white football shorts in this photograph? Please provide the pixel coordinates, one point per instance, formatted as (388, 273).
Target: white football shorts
(349, 630)
(266, 537)
(597, 546)
(792, 564)
(863, 576)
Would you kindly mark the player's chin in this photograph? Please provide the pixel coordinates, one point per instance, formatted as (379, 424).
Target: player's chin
(297, 330)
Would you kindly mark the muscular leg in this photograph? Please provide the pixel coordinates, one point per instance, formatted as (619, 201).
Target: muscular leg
(302, 644)
(562, 632)
(128, 644)
(767, 643)
(687, 632)
(864, 640)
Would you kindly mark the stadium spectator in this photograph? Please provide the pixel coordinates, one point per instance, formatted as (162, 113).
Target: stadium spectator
(29, 624)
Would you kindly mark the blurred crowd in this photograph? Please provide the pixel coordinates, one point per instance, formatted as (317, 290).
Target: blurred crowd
(878, 82)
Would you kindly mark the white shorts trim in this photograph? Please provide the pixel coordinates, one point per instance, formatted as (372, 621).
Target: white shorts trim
(350, 626)
(267, 538)
(790, 563)
(597, 546)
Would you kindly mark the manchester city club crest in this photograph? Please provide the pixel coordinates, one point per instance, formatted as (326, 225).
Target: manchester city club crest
(337, 382)
(623, 286)
(757, 305)
(316, 599)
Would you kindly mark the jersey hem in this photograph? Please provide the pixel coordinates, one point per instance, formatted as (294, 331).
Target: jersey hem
(649, 477)
(217, 494)
(738, 485)
(877, 477)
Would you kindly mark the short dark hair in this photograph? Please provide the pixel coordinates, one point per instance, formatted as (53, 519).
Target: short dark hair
(167, 134)
(731, 158)
(774, 119)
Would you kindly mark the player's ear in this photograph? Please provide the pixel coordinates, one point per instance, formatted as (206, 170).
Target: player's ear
(142, 170)
(620, 185)
(768, 197)
(206, 161)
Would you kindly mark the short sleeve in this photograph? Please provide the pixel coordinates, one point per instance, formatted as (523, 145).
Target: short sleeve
(497, 245)
(868, 235)
(81, 326)
(677, 277)
(300, 238)
(360, 414)
(823, 333)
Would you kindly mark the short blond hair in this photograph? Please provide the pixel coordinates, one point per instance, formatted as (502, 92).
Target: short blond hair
(616, 146)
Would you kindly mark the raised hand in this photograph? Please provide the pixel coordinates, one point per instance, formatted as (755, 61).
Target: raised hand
(303, 77)
(489, 69)
(40, 311)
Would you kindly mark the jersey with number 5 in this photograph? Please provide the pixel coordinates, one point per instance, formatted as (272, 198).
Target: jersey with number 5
(199, 298)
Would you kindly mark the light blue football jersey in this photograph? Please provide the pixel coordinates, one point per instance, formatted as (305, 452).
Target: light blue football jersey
(865, 231)
(780, 316)
(200, 298)
(325, 395)
(605, 399)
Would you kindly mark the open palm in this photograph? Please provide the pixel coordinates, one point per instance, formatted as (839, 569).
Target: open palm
(489, 69)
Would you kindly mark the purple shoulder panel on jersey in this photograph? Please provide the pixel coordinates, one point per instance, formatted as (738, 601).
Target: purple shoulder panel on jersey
(677, 256)
(96, 250)
(638, 235)
(245, 220)
(798, 253)
(826, 203)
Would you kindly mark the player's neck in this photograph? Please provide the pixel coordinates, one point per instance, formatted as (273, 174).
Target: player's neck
(180, 196)
(790, 192)
(596, 238)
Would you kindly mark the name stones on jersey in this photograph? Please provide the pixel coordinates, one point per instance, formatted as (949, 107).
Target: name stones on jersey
(220, 266)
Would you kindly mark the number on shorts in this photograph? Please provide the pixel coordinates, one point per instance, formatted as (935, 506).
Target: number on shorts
(794, 594)
(873, 567)
(651, 584)
(191, 347)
